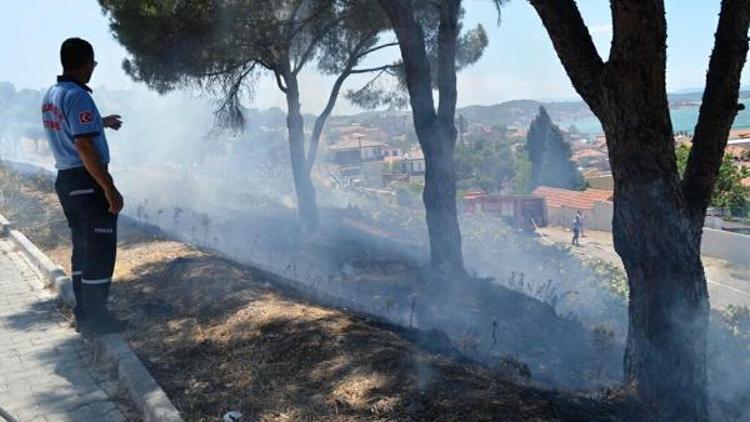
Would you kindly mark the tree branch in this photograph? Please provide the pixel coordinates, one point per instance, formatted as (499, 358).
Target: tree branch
(376, 69)
(370, 82)
(305, 56)
(304, 22)
(719, 106)
(314, 43)
(291, 29)
(354, 57)
(230, 109)
(279, 82)
(574, 46)
(376, 48)
(267, 65)
(312, 151)
(446, 72)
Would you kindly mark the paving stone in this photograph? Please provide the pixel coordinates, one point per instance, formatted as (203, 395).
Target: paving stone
(47, 371)
(83, 413)
(103, 407)
(30, 413)
(57, 417)
(113, 416)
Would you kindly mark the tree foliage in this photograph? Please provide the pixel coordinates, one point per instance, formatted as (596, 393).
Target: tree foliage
(550, 156)
(224, 46)
(729, 192)
(486, 163)
(388, 87)
(522, 176)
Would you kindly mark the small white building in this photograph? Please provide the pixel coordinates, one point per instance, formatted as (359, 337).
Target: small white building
(356, 149)
(414, 164)
(389, 151)
(414, 159)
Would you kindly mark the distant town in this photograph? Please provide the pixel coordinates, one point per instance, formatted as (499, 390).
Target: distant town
(377, 152)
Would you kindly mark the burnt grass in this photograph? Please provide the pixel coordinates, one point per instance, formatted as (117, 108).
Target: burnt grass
(221, 336)
(486, 322)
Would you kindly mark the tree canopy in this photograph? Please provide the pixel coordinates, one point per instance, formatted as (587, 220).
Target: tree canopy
(224, 46)
(729, 192)
(550, 156)
(389, 87)
(486, 162)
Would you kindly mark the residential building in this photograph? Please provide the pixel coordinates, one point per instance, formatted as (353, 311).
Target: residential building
(526, 212)
(562, 204)
(355, 149)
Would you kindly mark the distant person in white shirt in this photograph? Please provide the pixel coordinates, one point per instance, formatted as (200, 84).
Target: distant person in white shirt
(577, 228)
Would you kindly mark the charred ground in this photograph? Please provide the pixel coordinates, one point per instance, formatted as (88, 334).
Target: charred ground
(220, 336)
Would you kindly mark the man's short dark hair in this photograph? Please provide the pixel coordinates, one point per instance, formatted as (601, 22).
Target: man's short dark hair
(75, 53)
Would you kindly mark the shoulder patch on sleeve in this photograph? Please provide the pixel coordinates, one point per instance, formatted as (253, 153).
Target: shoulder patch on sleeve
(86, 117)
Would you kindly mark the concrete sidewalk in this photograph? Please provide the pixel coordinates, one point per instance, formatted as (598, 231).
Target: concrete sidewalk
(46, 369)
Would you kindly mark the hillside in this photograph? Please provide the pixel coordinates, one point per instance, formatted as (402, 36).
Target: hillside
(221, 336)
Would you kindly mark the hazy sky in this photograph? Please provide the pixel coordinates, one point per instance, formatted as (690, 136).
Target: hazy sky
(518, 63)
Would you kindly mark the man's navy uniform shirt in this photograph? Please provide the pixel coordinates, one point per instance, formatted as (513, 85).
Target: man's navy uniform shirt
(69, 112)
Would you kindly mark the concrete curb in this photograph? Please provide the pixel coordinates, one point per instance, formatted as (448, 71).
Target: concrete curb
(5, 227)
(112, 349)
(49, 269)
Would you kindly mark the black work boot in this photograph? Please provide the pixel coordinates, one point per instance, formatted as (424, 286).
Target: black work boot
(98, 319)
(78, 313)
(103, 322)
(79, 316)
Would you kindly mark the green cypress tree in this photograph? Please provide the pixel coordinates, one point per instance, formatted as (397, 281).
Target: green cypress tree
(550, 155)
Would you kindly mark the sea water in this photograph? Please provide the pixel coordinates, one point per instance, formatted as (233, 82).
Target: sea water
(683, 120)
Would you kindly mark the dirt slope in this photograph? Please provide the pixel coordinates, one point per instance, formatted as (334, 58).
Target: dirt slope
(219, 336)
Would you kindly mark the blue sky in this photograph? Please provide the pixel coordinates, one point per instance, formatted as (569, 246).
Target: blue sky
(519, 62)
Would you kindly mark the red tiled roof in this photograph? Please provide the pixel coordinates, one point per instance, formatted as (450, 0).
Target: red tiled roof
(583, 200)
(739, 133)
(735, 150)
(354, 143)
(588, 153)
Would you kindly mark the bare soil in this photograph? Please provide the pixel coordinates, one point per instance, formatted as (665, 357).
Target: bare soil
(220, 336)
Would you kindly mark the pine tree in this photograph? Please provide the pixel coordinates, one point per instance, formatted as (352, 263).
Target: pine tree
(658, 216)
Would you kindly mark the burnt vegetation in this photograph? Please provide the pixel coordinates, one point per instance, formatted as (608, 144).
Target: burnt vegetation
(323, 299)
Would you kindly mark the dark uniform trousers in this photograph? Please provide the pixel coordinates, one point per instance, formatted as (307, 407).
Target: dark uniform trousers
(94, 234)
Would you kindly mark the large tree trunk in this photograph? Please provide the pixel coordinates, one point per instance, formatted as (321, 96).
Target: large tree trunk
(668, 311)
(439, 198)
(658, 219)
(306, 202)
(436, 130)
(665, 355)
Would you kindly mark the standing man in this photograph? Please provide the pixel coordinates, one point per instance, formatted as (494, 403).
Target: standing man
(87, 193)
(577, 228)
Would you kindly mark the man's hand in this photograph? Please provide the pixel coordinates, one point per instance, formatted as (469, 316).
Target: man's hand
(90, 158)
(112, 122)
(115, 200)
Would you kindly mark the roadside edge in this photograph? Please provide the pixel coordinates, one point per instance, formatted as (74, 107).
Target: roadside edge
(142, 388)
